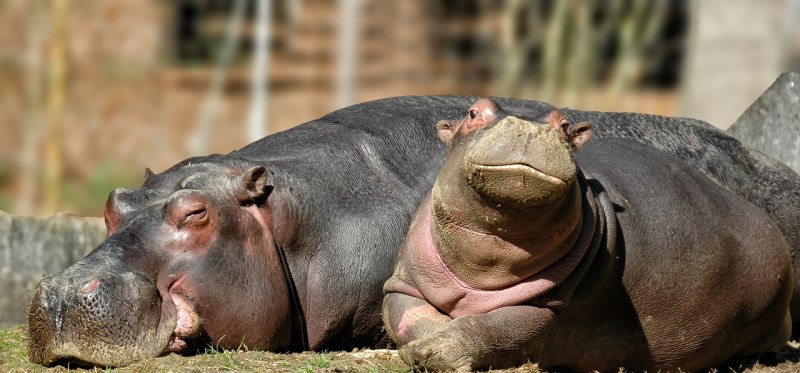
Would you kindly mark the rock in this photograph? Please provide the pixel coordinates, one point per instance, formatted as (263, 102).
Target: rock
(772, 123)
(33, 247)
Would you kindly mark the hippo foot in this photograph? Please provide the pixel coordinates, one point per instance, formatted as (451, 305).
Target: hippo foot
(438, 352)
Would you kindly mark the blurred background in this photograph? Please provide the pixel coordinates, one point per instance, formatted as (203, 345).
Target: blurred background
(92, 92)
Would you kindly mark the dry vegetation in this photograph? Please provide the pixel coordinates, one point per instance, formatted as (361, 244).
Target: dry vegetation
(131, 102)
(13, 358)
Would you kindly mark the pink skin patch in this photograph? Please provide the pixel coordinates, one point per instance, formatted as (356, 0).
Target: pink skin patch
(90, 286)
(176, 344)
(410, 317)
(265, 225)
(187, 320)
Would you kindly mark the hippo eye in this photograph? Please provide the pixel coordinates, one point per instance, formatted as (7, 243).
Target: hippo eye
(473, 114)
(195, 216)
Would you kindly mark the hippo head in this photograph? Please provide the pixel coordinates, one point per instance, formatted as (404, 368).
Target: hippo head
(190, 256)
(521, 161)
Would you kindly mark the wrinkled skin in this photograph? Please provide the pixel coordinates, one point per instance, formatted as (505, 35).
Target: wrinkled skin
(636, 261)
(195, 255)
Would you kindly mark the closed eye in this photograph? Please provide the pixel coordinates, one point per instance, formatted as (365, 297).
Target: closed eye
(195, 215)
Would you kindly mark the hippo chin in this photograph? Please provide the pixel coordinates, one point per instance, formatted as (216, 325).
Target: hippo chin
(581, 256)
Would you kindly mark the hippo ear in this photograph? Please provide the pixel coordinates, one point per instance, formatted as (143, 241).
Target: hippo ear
(575, 134)
(117, 206)
(579, 134)
(148, 173)
(253, 187)
(447, 129)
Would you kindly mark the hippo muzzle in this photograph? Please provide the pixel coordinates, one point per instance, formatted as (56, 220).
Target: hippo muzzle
(85, 316)
(503, 165)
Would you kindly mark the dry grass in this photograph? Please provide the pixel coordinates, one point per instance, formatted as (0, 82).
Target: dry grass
(13, 358)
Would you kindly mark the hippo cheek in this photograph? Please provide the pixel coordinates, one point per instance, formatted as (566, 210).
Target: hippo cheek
(515, 184)
(236, 325)
(246, 307)
(110, 321)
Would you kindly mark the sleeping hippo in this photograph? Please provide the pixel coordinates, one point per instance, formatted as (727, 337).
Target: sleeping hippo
(536, 244)
(283, 245)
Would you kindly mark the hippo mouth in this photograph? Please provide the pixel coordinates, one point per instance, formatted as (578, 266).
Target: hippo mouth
(524, 171)
(187, 321)
(517, 184)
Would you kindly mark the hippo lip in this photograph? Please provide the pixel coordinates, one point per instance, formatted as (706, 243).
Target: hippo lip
(524, 169)
(183, 320)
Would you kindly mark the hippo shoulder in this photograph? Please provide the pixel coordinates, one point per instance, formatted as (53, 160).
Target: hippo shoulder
(656, 195)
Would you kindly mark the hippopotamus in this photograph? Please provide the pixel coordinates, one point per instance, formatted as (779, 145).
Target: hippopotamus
(536, 244)
(282, 245)
(336, 196)
(747, 172)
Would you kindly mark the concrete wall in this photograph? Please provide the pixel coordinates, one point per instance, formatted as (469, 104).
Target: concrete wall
(734, 53)
(31, 247)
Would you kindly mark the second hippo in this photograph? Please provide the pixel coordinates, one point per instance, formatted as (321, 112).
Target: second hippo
(613, 255)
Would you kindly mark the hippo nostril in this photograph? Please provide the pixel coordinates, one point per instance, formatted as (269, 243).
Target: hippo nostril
(90, 286)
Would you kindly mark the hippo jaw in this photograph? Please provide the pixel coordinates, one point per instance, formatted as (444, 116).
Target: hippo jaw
(519, 163)
(177, 306)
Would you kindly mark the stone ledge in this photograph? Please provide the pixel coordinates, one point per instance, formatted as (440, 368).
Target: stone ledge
(32, 247)
(772, 123)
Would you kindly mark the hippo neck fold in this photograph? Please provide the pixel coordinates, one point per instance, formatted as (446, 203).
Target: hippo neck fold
(495, 247)
(281, 218)
(435, 281)
(299, 331)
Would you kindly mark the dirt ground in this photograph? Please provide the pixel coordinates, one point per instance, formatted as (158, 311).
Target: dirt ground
(13, 358)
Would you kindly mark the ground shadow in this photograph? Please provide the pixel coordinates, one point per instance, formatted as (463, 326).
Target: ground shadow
(781, 360)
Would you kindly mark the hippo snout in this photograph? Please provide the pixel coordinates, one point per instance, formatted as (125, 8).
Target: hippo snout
(51, 301)
(92, 318)
(520, 163)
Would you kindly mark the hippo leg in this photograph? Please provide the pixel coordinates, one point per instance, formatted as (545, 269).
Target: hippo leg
(409, 318)
(504, 337)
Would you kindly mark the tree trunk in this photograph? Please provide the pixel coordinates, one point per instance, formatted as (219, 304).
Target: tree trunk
(54, 147)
